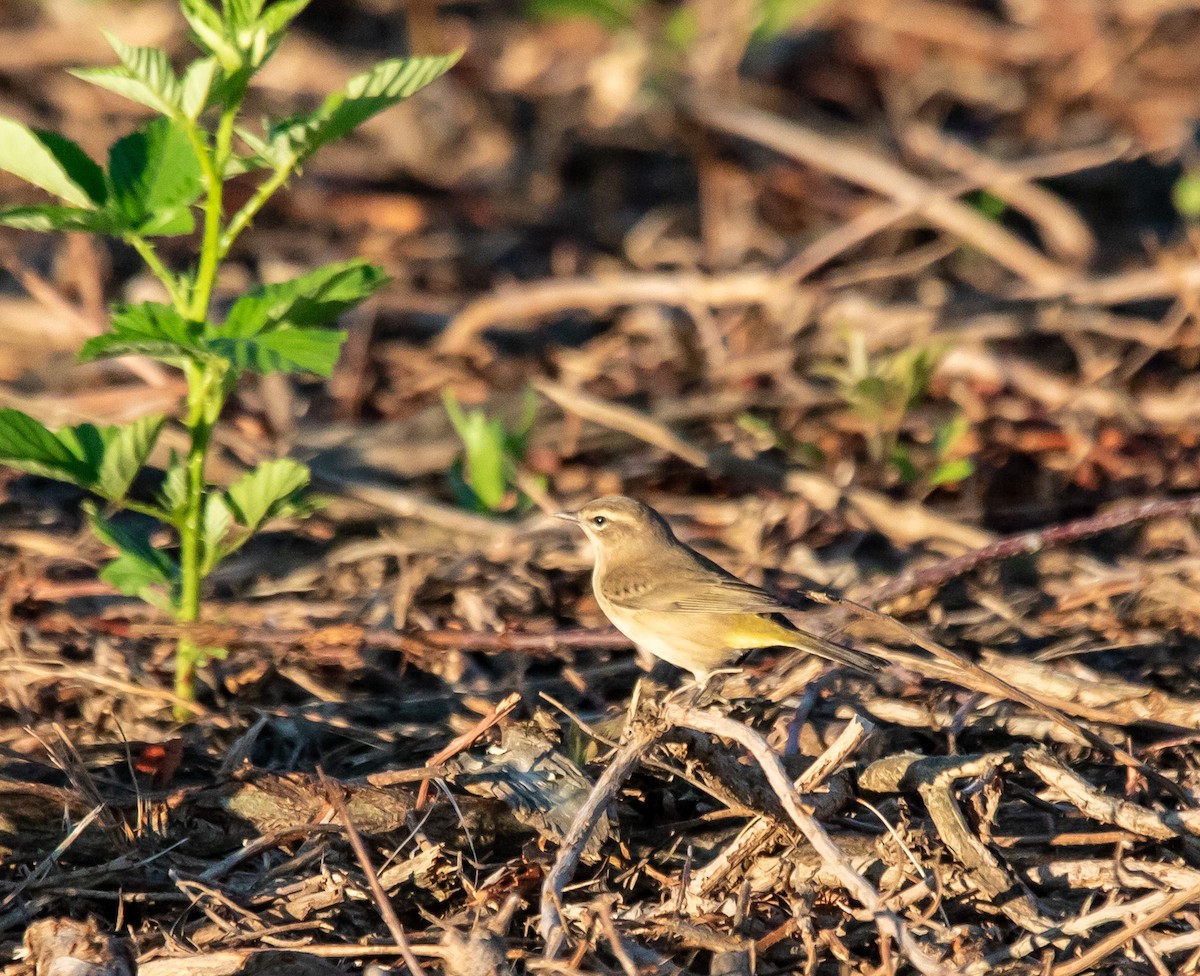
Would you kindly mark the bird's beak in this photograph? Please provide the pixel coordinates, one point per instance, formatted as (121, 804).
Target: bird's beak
(567, 516)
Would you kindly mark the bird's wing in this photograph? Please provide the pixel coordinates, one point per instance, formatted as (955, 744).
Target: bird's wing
(698, 587)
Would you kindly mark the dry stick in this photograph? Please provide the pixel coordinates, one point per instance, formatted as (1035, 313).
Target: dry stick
(889, 923)
(625, 419)
(1113, 942)
(1079, 925)
(382, 902)
(641, 738)
(601, 295)
(866, 169)
(1058, 224)
(1027, 543)
(755, 834)
(883, 215)
(461, 742)
(1107, 809)
(998, 686)
(54, 855)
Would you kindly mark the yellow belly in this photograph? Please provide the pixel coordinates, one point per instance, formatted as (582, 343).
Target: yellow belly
(697, 642)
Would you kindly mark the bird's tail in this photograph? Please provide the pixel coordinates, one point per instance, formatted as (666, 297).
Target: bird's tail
(812, 644)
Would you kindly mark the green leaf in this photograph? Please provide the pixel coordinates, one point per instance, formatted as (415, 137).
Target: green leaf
(47, 217)
(283, 350)
(150, 329)
(367, 94)
(1185, 194)
(104, 460)
(612, 15)
(952, 472)
(903, 463)
(484, 442)
(218, 520)
(140, 570)
(197, 83)
(51, 162)
(172, 494)
(271, 329)
(125, 451)
(28, 445)
(312, 299)
(156, 178)
(270, 490)
(947, 437)
(240, 14)
(210, 33)
(144, 76)
(281, 13)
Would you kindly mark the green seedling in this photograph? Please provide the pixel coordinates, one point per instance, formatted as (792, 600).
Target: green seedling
(1185, 194)
(156, 181)
(881, 391)
(485, 477)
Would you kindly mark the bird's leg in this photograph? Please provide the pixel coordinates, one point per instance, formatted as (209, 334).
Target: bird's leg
(705, 693)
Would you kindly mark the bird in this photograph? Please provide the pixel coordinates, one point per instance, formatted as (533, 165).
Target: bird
(679, 605)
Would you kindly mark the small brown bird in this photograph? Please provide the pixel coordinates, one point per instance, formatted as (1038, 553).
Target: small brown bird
(679, 605)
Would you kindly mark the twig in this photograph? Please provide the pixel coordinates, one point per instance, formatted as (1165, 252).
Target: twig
(1027, 543)
(889, 923)
(461, 742)
(641, 737)
(1110, 810)
(1111, 943)
(986, 681)
(758, 832)
(536, 300)
(877, 173)
(382, 902)
(616, 417)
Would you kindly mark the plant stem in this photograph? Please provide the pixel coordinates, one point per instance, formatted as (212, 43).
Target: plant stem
(191, 529)
(206, 397)
(212, 167)
(241, 220)
(150, 255)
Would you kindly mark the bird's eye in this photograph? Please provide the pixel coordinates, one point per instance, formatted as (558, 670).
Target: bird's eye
(599, 520)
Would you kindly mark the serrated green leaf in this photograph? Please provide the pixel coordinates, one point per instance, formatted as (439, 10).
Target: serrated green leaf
(103, 460)
(283, 350)
(125, 451)
(140, 570)
(51, 162)
(28, 445)
(240, 14)
(312, 299)
(156, 178)
(144, 76)
(195, 87)
(281, 13)
(210, 33)
(47, 217)
(365, 95)
(149, 329)
(270, 490)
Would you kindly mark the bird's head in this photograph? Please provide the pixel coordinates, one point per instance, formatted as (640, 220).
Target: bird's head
(616, 523)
